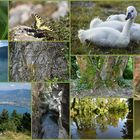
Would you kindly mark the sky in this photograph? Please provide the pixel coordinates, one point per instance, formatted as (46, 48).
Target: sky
(14, 86)
(3, 43)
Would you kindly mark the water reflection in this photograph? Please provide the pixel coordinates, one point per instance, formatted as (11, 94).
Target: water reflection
(127, 129)
(103, 126)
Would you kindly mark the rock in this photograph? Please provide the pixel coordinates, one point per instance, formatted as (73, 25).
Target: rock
(50, 128)
(62, 134)
(20, 33)
(36, 61)
(22, 13)
(51, 124)
(63, 9)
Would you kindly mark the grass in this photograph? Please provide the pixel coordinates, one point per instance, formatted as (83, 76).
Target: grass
(14, 136)
(81, 15)
(60, 29)
(3, 20)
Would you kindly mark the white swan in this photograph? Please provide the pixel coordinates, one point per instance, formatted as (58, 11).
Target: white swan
(119, 17)
(135, 29)
(109, 37)
(117, 22)
(96, 22)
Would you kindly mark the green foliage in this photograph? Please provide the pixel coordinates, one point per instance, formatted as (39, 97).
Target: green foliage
(74, 68)
(3, 20)
(100, 105)
(54, 80)
(128, 72)
(15, 122)
(4, 117)
(60, 29)
(126, 80)
(8, 126)
(91, 76)
(98, 112)
(14, 114)
(26, 122)
(88, 76)
(117, 106)
(16, 118)
(79, 85)
(84, 80)
(124, 83)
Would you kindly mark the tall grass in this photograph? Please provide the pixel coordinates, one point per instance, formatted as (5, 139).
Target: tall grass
(3, 20)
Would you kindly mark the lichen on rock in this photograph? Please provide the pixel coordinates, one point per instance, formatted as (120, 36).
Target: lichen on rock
(38, 61)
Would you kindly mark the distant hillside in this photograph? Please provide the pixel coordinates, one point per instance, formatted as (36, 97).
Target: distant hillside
(20, 96)
(3, 52)
(17, 92)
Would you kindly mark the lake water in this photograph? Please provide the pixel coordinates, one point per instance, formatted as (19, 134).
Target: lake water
(137, 120)
(20, 110)
(3, 70)
(108, 126)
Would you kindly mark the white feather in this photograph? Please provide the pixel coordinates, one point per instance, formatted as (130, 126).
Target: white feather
(109, 35)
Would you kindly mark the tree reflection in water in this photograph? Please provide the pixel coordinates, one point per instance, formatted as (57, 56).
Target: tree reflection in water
(87, 125)
(128, 125)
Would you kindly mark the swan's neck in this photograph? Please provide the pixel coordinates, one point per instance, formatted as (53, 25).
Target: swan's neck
(127, 26)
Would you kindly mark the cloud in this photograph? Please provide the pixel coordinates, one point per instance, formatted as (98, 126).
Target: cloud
(3, 43)
(14, 86)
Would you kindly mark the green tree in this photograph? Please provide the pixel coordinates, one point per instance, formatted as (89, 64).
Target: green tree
(4, 117)
(16, 118)
(8, 126)
(14, 114)
(26, 122)
(128, 72)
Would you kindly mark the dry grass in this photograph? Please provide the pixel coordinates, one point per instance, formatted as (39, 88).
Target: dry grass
(14, 136)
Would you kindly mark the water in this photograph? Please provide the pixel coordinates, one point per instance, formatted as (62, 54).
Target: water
(10, 108)
(50, 128)
(137, 120)
(112, 131)
(3, 70)
(107, 126)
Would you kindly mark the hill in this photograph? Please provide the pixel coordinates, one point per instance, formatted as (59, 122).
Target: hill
(21, 97)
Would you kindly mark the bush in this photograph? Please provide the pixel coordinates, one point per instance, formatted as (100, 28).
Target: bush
(128, 72)
(8, 126)
(15, 123)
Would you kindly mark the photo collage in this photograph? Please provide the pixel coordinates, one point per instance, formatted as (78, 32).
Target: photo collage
(69, 69)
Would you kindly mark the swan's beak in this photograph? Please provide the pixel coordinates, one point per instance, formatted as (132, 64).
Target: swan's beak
(129, 15)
